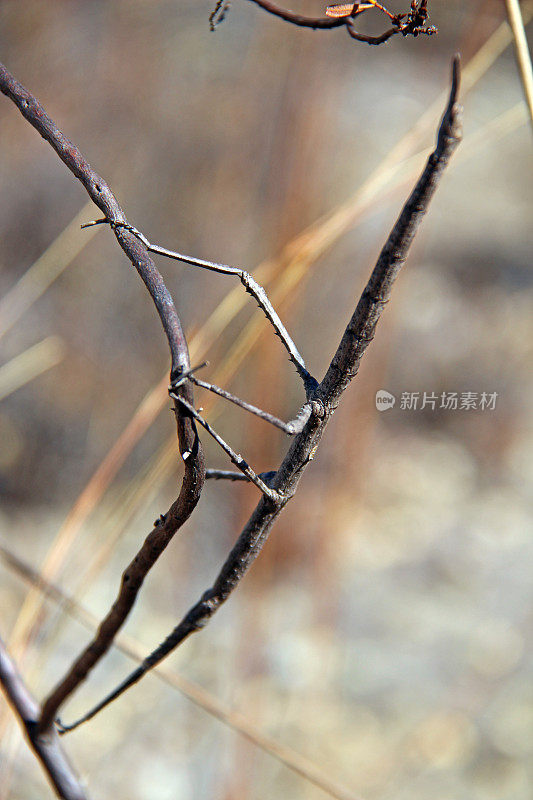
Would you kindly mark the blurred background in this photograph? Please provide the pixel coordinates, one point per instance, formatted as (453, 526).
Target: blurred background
(381, 647)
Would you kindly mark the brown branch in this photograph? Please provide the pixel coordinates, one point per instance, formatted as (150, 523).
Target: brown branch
(344, 366)
(189, 442)
(47, 746)
(316, 23)
(361, 328)
(191, 691)
(374, 40)
(412, 23)
(103, 197)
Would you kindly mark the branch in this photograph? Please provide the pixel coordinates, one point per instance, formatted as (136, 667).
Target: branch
(191, 691)
(412, 23)
(361, 328)
(46, 747)
(344, 366)
(316, 23)
(102, 196)
(189, 442)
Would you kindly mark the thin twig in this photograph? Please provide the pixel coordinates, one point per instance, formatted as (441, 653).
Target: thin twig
(343, 368)
(236, 721)
(189, 442)
(292, 427)
(102, 196)
(218, 14)
(363, 37)
(46, 746)
(412, 23)
(523, 56)
(316, 23)
(361, 328)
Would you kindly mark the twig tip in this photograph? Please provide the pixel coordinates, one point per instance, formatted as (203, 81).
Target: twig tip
(92, 223)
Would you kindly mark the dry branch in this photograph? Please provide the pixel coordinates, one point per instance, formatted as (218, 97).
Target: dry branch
(344, 366)
(47, 746)
(412, 23)
(189, 442)
(192, 691)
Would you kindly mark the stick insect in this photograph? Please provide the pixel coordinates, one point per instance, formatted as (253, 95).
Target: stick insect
(259, 294)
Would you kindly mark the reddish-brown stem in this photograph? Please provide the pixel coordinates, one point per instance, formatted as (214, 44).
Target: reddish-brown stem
(412, 23)
(316, 23)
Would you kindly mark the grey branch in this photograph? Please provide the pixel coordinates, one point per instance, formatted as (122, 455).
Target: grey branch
(47, 746)
(189, 442)
(345, 363)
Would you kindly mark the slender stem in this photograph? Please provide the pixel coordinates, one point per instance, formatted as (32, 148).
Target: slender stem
(195, 694)
(412, 23)
(386, 11)
(103, 197)
(298, 19)
(46, 747)
(361, 328)
(218, 14)
(189, 442)
(362, 37)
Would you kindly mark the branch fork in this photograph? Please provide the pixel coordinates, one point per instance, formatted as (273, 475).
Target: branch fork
(343, 367)
(307, 429)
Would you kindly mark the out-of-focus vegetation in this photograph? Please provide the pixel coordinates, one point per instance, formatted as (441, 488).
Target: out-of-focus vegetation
(385, 633)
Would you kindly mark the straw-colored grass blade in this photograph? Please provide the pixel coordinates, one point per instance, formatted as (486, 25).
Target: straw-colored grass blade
(523, 55)
(28, 365)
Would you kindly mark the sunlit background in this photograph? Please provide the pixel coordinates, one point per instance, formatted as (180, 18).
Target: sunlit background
(380, 648)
